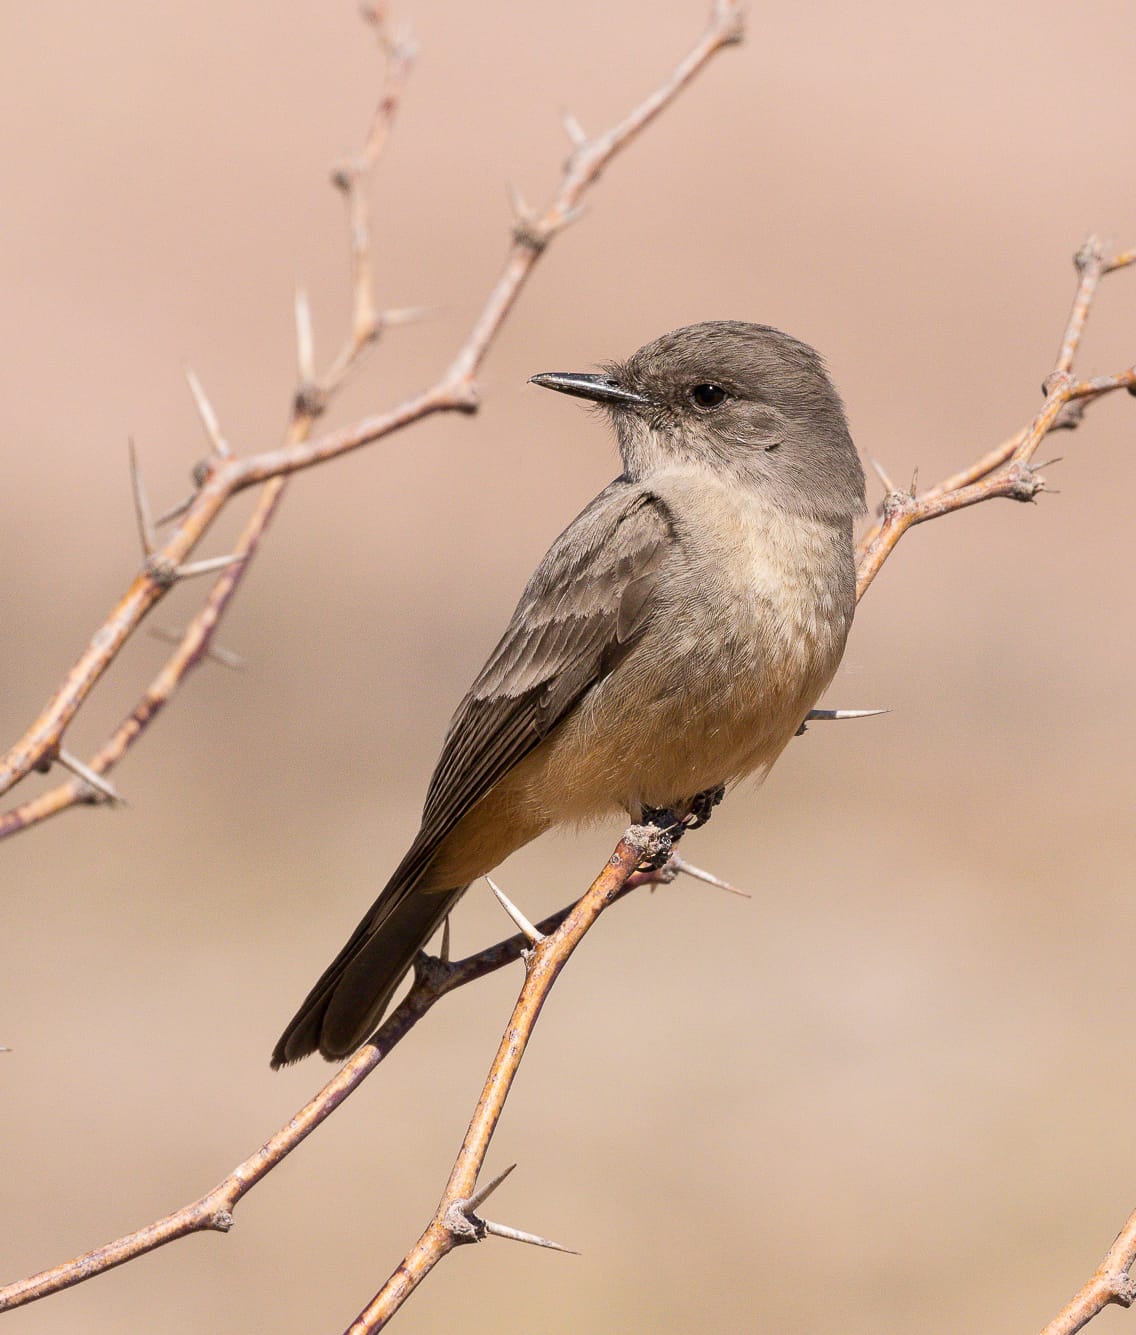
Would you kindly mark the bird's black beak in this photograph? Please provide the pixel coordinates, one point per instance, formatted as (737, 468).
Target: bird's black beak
(599, 388)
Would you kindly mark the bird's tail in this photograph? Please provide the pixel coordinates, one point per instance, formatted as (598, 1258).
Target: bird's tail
(348, 1001)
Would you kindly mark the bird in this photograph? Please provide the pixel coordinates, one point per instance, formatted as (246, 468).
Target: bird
(670, 642)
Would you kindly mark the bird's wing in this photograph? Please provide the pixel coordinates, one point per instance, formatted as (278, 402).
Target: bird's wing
(583, 609)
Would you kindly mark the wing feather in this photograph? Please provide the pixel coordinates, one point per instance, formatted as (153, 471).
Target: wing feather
(585, 607)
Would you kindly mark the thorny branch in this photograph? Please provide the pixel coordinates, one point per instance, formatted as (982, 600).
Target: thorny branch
(1005, 471)
(454, 1220)
(161, 568)
(1110, 1283)
(436, 977)
(220, 476)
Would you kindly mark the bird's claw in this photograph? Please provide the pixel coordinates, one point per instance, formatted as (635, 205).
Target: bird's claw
(702, 808)
(674, 826)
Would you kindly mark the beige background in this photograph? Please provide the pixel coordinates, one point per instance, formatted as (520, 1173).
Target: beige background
(893, 1092)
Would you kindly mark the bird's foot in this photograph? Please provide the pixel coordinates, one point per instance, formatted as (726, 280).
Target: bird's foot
(702, 808)
(674, 826)
(671, 829)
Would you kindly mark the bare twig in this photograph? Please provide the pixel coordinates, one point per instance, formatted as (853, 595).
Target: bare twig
(455, 391)
(195, 644)
(1089, 262)
(1111, 1283)
(219, 479)
(434, 978)
(161, 569)
(544, 963)
(305, 344)
(451, 1223)
(1006, 471)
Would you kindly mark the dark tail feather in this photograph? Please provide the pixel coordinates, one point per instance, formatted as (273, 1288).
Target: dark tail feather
(348, 1001)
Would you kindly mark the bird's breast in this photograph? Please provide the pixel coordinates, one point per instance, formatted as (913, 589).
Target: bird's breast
(748, 628)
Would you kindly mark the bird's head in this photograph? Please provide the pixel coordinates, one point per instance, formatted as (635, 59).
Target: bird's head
(742, 400)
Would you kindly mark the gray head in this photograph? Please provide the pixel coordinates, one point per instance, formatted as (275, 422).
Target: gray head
(741, 399)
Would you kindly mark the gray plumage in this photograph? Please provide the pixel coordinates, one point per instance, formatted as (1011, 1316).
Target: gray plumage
(671, 640)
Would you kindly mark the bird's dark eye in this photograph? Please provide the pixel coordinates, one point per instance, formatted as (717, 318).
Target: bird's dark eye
(707, 396)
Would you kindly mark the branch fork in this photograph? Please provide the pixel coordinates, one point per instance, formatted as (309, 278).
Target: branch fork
(464, 1225)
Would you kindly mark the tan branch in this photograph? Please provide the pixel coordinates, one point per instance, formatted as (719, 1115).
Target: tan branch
(455, 1221)
(351, 177)
(1110, 1283)
(434, 978)
(221, 477)
(193, 645)
(310, 399)
(1006, 470)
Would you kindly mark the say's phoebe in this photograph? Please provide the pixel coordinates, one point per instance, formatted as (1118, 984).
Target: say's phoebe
(671, 641)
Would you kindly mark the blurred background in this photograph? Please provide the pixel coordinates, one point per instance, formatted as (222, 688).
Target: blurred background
(890, 1092)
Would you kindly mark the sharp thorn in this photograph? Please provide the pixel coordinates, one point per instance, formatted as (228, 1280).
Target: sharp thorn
(569, 216)
(515, 913)
(207, 567)
(573, 129)
(518, 1235)
(399, 315)
(402, 45)
(444, 952)
(482, 1194)
(226, 657)
(820, 715)
(141, 505)
(305, 339)
(521, 210)
(208, 417)
(708, 876)
(164, 634)
(175, 513)
(915, 483)
(103, 787)
(885, 481)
